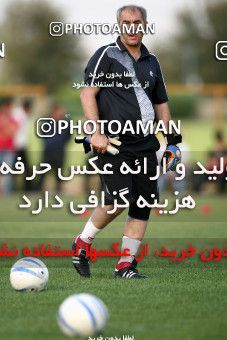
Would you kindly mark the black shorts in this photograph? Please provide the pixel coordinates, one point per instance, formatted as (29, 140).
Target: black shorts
(137, 184)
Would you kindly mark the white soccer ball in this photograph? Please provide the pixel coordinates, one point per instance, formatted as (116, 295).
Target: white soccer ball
(29, 274)
(82, 315)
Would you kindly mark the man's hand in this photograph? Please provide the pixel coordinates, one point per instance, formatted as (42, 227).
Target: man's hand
(111, 146)
(99, 142)
(172, 154)
(171, 157)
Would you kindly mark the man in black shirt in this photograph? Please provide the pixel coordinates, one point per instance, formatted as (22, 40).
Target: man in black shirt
(131, 63)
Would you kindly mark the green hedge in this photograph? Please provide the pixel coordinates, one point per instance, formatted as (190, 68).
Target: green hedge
(70, 99)
(183, 106)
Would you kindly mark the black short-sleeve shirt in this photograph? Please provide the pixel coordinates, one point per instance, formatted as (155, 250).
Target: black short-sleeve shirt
(129, 88)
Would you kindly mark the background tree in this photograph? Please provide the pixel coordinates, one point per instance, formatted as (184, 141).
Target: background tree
(190, 55)
(33, 55)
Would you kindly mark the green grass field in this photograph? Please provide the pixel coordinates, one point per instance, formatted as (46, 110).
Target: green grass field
(186, 300)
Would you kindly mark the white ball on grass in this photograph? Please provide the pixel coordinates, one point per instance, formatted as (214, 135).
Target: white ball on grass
(82, 315)
(29, 274)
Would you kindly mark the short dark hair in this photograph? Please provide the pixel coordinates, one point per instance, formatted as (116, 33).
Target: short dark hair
(132, 8)
(219, 135)
(27, 104)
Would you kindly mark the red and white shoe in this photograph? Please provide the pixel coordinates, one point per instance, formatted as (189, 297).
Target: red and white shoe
(127, 270)
(80, 259)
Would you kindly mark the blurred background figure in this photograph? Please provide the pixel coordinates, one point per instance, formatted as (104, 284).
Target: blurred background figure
(22, 116)
(90, 182)
(8, 130)
(219, 144)
(213, 159)
(55, 147)
(220, 150)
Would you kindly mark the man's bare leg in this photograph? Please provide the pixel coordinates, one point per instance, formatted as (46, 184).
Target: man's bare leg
(99, 220)
(135, 228)
(133, 234)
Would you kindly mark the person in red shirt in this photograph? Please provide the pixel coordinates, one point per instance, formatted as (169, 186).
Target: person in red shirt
(8, 128)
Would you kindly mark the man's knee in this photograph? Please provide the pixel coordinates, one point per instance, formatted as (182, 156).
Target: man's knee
(109, 207)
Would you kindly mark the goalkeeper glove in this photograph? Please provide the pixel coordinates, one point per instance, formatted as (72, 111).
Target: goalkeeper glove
(172, 154)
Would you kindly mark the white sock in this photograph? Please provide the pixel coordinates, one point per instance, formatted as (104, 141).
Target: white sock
(89, 232)
(133, 246)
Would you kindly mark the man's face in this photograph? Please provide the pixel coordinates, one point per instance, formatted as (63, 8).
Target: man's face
(134, 18)
(57, 113)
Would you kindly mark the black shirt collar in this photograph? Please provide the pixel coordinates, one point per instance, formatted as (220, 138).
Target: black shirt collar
(143, 49)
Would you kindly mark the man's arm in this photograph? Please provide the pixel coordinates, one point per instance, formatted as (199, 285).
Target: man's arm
(162, 113)
(172, 153)
(90, 109)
